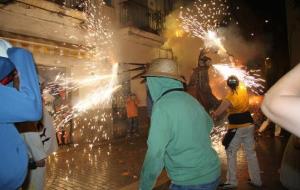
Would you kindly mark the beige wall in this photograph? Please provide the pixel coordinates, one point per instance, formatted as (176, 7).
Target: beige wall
(22, 18)
(136, 46)
(44, 20)
(53, 34)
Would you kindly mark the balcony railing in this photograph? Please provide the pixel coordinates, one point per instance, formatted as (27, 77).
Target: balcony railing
(73, 4)
(76, 4)
(140, 16)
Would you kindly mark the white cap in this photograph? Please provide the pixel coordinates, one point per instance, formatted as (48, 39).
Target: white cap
(4, 45)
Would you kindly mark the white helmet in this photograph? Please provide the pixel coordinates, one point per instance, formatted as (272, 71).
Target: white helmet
(162, 67)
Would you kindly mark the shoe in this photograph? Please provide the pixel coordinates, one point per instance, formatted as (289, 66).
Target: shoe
(227, 186)
(253, 184)
(137, 134)
(259, 134)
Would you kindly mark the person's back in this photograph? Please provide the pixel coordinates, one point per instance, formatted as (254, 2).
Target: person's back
(239, 115)
(240, 131)
(179, 138)
(190, 158)
(239, 99)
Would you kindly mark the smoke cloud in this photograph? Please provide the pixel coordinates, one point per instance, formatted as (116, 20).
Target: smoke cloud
(186, 48)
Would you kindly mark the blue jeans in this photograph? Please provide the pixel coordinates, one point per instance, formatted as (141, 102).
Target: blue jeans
(208, 186)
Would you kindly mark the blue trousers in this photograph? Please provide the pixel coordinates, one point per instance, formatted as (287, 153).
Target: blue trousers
(208, 186)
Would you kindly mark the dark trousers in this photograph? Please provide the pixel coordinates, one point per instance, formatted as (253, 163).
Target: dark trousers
(133, 125)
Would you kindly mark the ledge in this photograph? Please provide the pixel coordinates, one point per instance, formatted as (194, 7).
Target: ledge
(54, 8)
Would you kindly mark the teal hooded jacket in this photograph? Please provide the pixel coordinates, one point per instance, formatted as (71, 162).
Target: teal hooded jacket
(178, 138)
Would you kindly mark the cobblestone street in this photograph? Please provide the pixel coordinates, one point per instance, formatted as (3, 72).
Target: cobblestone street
(117, 165)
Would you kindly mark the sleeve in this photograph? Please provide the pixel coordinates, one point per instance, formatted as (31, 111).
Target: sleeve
(25, 104)
(50, 145)
(159, 137)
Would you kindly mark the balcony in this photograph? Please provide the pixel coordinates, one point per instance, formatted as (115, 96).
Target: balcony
(133, 14)
(76, 4)
(73, 4)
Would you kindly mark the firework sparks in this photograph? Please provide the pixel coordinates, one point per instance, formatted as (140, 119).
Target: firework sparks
(101, 94)
(99, 74)
(203, 19)
(252, 78)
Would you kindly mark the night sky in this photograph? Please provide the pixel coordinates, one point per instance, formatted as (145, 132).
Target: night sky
(263, 21)
(266, 21)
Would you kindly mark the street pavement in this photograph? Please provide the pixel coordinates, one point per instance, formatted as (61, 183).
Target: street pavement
(117, 165)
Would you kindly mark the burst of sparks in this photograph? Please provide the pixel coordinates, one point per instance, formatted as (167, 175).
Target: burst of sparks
(203, 19)
(71, 84)
(103, 79)
(251, 79)
(100, 95)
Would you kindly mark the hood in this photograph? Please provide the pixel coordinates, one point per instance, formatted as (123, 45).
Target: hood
(4, 45)
(158, 85)
(23, 104)
(6, 66)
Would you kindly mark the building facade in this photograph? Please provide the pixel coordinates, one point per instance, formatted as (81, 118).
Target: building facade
(54, 32)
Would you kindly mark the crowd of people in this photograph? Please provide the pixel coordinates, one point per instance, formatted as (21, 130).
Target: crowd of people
(179, 136)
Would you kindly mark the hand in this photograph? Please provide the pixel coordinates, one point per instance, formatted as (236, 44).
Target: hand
(40, 163)
(213, 115)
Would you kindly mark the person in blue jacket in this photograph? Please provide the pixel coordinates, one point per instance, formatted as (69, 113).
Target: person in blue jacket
(24, 104)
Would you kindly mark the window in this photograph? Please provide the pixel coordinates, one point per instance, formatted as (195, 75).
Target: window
(108, 2)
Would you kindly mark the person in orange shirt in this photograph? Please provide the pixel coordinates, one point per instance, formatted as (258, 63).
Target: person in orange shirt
(132, 114)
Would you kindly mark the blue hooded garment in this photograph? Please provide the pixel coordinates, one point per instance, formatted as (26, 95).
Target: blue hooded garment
(16, 106)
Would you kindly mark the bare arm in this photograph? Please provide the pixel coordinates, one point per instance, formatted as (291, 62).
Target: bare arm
(221, 109)
(282, 102)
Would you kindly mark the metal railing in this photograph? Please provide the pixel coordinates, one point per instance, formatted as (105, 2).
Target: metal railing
(140, 16)
(73, 4)
(76, 4)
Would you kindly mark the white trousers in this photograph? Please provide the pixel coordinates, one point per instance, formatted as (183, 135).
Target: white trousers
(35, 179)
(245, 136)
